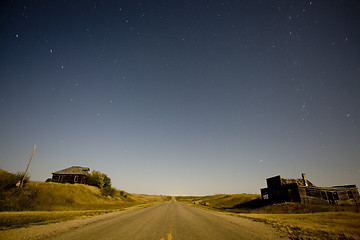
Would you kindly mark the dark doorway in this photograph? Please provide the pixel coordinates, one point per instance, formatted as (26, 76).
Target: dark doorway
(290, 196)
(331, 197)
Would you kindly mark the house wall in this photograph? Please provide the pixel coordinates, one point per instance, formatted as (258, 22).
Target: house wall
(274, 189)
(276, 192)
(290, 193)
(282, 193)
(339, 196)
(69, 178)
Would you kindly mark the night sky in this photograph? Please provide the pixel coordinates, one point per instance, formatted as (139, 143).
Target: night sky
(182, 97)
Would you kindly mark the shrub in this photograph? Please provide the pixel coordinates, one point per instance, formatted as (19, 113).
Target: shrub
(96, 179)
(107, 180)
(102, 181)
(9, 180)
(108, 191)
(50, 180)
(99, 179)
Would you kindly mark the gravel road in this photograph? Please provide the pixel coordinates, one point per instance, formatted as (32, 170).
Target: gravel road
(163, 221)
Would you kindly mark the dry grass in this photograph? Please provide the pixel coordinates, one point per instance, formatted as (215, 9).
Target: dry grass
(19, 219)
(220, 201)
(326, 225)
(41, 196)
(9, 220)
(299, 221)
(42, 202)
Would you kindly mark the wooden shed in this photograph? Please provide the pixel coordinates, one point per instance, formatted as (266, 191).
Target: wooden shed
(303, 191)
(74, 174)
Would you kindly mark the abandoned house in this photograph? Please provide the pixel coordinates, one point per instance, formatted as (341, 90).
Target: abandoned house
(74, 174)
(303, 191)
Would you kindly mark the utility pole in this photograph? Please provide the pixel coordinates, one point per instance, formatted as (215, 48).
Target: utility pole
(22, 181)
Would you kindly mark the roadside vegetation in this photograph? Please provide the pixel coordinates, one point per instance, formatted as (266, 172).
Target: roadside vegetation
(299, 221)
(44, 202)
(100, 180)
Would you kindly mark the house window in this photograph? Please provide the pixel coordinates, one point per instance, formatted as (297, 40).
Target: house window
(323, 194)
(76, 178)
(336, 196)
(350, 194)
(307, 192)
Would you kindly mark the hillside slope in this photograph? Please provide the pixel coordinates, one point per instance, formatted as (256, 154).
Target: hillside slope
(221, 201)
(48, 196)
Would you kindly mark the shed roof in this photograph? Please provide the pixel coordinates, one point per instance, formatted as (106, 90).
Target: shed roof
(298, 181)
(74, 170)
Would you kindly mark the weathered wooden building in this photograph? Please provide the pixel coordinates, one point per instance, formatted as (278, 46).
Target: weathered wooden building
(74, 174)
(303, 191)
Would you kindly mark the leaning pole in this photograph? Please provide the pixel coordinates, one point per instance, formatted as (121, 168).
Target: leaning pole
(22, 181)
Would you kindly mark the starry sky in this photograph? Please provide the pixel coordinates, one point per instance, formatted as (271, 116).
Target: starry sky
(182, 97)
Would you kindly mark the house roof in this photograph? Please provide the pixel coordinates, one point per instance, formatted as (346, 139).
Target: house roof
(74, 170)
(298, 181)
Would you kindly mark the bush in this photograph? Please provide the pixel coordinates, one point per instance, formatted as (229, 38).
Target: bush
(9, 180)
(107, 180)
(102, 181)
(50, 180)
(99, 179)
(108, 191)
(96, 179)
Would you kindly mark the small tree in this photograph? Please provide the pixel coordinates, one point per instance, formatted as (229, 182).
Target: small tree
(108, 191)
(102, 181)
(107, 180)
(96, 179)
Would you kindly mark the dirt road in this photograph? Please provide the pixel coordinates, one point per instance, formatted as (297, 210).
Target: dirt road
(167, 221)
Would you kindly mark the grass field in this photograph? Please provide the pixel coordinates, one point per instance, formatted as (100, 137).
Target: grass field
(41, 196)
(221, 200)
(324, 225)
(24, 218)
(45, 202)
(299, 221)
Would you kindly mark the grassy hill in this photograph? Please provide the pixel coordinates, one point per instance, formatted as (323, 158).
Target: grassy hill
(42, 202)
(221, 201)
(57, 196)
(48, 196)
